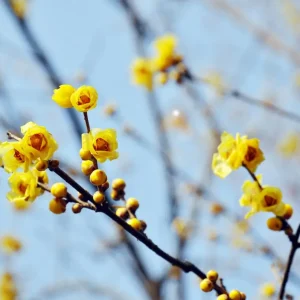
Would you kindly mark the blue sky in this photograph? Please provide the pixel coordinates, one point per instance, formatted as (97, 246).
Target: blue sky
(94, 38)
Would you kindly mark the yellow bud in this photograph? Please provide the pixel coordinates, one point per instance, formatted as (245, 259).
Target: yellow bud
(98, 177)
(135, 223)
(132, 204)
(85, 154)
(223, 297)
(59, 190)
(274, 224)
(206, 285)
(115, 195)
(118, 184)
(235, 295)
(212, 275)
(216, 209)
(62, 95)
(122, 213)
(99, 197)
(288, 211)
(243, 296)
(87, 167)
(76, 208)
(41, 165)
(57, 206)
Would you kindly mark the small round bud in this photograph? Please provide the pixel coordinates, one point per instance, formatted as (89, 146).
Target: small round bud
(54, 163)
(234, 295)
(118, 184)
(87, 167)
(243, 296)
(132, 204)
(98, 177)
(122, 213)
(223, 297)
(274, 224)
(135, 223)
(59, 190)
(80, 196)
(212, 275)
(216, 209)
(76, 208)
(115, 195)
(288, 211)
(41, 165)
(206, 285)
(57, 206)
(105, 186)
(85, 154)
(144, 225)
(99, 197)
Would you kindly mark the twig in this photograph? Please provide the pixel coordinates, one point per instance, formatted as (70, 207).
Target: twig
(294, 248)
(253, 176)
(186, 266)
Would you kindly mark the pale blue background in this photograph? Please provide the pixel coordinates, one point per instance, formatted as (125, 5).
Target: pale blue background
(94, 37)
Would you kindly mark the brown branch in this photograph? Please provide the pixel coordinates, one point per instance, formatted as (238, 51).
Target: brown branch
(186, 266)
(294, 248)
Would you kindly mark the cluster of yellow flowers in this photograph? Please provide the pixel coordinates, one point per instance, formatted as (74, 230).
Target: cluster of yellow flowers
(241, 151)
(144, 69)
(207, 285)
(8, 290)
(26, 160)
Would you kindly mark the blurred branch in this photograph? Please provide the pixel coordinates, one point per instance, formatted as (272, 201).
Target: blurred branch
(263, 35)
(42, 58)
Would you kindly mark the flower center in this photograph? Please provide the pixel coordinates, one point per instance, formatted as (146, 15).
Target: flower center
(251, 153)
(23, 187)
(18, 156)
(270, 201)
(38, 141)
(84, 99)
(101, 145)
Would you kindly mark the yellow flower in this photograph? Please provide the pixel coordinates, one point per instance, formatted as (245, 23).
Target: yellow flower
(269, 199)
(38, 141)
(234, 152)
(101, 143)
(9, 244)
(268, 290)
(84, 98)
(8, 290)
(14, 156)
(23, 187)
(165, 47)
(42, 177)
(21, 205)
(62, 95)
(142, 72)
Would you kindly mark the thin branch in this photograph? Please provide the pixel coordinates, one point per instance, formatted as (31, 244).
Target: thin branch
(186, 266)
(294, 248)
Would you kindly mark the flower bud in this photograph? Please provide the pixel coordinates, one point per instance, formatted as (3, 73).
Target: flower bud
(87, 167)
(206, 285)
(59, 190)
(57, 206)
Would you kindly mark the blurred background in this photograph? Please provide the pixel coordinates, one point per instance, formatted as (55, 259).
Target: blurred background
(166, 142)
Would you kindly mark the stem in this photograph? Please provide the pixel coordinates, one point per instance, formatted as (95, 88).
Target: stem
(295, 246)
(253, 176)
(186, 266)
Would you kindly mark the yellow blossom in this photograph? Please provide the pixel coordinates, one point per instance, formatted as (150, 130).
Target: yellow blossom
(23, 187)
(21, 205)
(165, 47)
(14, 156)
(10, 244)
(142, 72)
(267, 199)
(102, 143)
(41, 177)
(62, 95)
(84, 98)
(38, 141)
(8, 290)
(234, 152)
(268, 290)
